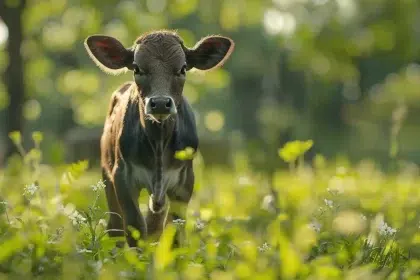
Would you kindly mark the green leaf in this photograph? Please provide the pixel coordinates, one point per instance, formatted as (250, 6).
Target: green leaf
(187, 154)
(16, 137)
(294, 149)
(37, 137)
(163, 254)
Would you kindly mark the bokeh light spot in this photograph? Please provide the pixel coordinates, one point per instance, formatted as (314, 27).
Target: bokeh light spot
(214, 120)
(4, 32)
(32, 110)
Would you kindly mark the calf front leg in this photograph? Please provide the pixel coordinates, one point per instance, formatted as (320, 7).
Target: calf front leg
(179, 203)
(115, 225)
(156, 218)
(128, 200)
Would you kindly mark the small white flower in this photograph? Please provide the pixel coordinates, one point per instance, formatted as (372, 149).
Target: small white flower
(363, 217)
(102, 222)
(179, 222)
(264, 247)
(153, 244)
(199, 224)
(30, 190)
(268, 203)
(98, 186)
(228, 218)
(329, 203)
(76, 218)
(385, 230)
(315, 225)
(84, 250)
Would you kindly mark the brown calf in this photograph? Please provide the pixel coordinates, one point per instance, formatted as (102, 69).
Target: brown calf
(147, 122)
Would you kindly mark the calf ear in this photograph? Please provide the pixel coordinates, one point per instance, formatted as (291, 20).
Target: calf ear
(210, 52)
(109, 54)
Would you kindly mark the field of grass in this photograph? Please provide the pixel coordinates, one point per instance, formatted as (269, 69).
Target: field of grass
(316, 220)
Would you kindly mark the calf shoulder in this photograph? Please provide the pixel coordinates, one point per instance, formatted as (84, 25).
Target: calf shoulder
(185, 134)
(119, 104)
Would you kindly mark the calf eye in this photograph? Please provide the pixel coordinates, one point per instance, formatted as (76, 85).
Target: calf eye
(183, 70)
(137, 70)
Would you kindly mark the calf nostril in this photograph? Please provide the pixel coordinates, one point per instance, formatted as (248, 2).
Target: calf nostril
(168, 104)
(152, 104)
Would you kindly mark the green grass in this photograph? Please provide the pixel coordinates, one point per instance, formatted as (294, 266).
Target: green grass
(316, 220)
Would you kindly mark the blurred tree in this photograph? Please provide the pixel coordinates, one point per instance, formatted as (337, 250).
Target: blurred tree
(11, 12)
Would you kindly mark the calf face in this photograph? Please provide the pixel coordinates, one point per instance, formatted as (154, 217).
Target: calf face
(148, 121)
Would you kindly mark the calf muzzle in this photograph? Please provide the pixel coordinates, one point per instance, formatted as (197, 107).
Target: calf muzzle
(160, 107)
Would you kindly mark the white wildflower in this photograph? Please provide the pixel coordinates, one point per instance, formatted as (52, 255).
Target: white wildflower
(329, 203)
(76, 218)
(84, 250)
(268, 203)
(315, 225)
(30, 190)
(228, 219)
(98, 186)
(102, 222)
(385, 230)
(179, 222)
(199, 224)
(264, 247)
(363, 217)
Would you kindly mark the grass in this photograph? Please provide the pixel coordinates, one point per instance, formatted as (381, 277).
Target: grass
(316, 220)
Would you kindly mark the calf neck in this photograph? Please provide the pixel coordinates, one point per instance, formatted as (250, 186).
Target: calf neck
(148, 120)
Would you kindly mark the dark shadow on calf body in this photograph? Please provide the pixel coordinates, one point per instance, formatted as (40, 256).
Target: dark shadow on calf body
(147, 122)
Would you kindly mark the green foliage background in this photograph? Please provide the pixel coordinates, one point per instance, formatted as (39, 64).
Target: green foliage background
(343, 73)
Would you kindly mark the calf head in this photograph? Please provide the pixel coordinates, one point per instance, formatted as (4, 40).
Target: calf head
(159, 61)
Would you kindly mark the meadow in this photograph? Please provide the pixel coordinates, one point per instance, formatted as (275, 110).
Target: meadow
(315, 220)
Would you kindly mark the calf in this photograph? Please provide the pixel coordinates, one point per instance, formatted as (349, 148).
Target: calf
(147, 122)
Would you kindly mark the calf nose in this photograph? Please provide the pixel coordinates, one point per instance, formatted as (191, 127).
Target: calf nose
(160, 105)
